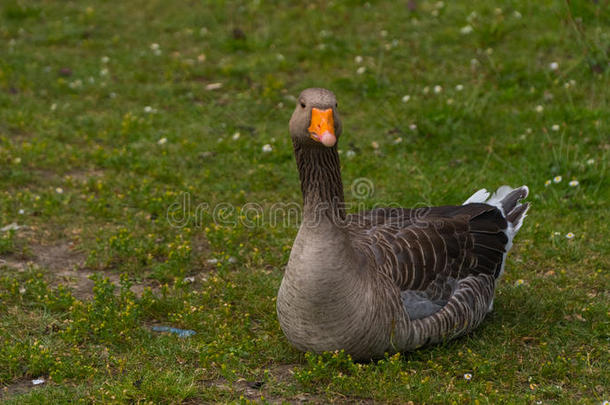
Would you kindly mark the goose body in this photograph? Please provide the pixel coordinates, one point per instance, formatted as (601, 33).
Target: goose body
(390, 279)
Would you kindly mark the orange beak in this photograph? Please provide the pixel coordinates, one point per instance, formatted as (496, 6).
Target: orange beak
(322, 127)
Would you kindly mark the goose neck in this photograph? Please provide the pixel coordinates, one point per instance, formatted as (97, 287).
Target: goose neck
(320, 174)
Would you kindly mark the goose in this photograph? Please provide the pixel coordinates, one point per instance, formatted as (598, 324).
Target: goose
(386, 280)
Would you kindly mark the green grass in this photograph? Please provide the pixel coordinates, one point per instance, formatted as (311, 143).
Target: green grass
(85, 172)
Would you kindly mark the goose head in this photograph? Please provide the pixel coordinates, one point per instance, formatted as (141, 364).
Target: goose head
(315, 120)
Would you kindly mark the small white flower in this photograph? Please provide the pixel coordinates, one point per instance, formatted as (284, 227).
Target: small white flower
(555, 127)
(574, 183)
(459, 87)
(449, 101)
(570, 235)
(17, 160)
(519, 282)
(489, 51)
(148, 109)
(236, 136)
(350, 154)
(267, 148)
(105, 59)
(53, 107)
(59, 190)
(162, 141)
(213, 86)
(358, 59)
(21, 211)
(232, 259)
(280, 57)
(22, 290)
(539, 108)
(426, 90)
(439, 4)
(406, 98)
(398, 140)
(75, 84)
(557, 179)
(467, 29)
(383, 33)
(413, 127)
(556, 233)
(201, 57)
(154, 46)
(547, 183)
(553, 65)
(572, 82)
(517, 15)
(606, 403)
(112, 94)
(437, 89)
(104, 72)
(467, 376)
(590, 162)
(361, 70)
(212, 261)
(375, 145)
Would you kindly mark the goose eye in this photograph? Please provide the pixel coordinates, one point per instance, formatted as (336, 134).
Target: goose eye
(302, 104)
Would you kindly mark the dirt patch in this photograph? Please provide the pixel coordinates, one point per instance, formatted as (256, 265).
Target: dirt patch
(18, 387)
(255, 390)
(271, 390)
(83, 176)
(81, 284)
(66, 265)
(60, 257)
(283, 372)
(57, 257)
(18, 265)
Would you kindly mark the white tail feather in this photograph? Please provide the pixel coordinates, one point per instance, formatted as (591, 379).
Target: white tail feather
(516, 226)
(497, 200)
(478, 197)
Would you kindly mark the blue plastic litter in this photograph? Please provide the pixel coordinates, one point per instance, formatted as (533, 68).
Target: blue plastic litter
(180, 332)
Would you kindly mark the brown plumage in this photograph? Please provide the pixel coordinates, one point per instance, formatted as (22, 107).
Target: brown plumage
(389, 279)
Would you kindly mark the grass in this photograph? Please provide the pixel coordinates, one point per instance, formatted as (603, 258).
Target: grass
(135, 206)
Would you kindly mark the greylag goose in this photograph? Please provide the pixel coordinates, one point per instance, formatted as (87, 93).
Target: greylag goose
(390, 279)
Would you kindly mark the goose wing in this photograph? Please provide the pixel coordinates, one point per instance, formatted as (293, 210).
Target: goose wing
(426, 252)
